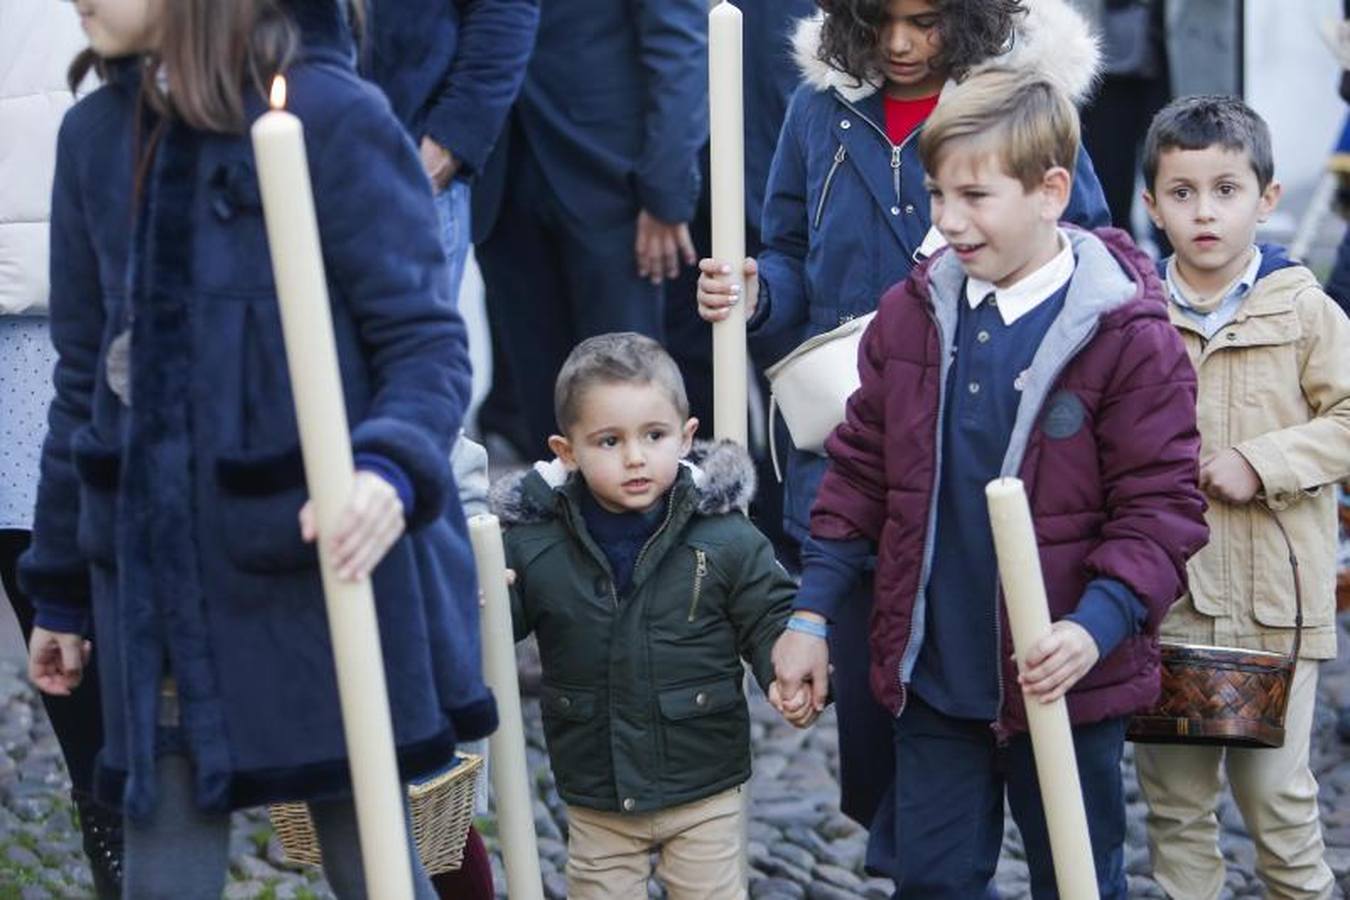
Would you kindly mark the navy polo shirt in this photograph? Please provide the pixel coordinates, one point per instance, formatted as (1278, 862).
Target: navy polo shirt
(958, 666)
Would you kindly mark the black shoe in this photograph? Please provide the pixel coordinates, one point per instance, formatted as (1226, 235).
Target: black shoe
(102, 830)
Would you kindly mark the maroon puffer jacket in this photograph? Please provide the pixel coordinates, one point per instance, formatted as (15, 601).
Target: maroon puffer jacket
(1105, 440)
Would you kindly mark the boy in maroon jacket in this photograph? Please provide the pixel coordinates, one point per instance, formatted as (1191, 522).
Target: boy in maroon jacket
(1023, 349)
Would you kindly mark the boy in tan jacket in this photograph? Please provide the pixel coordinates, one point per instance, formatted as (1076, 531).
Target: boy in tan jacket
(1272, 353)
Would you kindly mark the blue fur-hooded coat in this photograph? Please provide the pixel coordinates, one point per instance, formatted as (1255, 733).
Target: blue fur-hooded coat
(171, 475)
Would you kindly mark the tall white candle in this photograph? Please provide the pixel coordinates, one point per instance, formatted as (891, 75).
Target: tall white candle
(726, 122)
(510, 770)
(302, 292)
(1019, 565)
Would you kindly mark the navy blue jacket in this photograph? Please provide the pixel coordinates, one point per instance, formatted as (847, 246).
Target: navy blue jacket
(846, 213)
(614, 108)
(174, 518)
(451, 68)
(770, 77)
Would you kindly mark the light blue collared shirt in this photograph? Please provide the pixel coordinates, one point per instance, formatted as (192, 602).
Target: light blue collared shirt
(1221, 315)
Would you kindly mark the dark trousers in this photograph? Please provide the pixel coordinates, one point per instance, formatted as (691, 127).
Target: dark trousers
(552, 282)
(939, 832)
(866, 728)
(76, 719)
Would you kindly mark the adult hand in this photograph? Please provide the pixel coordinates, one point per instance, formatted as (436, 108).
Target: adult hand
(56, 661)
(1057, 661)
(801, 662)
(660, 246)
(370, 523)
(718, 292)
(440, 164)
(1227, 476)
(797, 710)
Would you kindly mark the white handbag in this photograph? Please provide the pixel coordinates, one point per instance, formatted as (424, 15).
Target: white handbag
(811, 384)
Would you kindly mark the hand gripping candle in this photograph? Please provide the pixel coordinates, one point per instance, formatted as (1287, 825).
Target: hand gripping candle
(510, 772)
(1019, 567)
(325, 442)
(726, 122)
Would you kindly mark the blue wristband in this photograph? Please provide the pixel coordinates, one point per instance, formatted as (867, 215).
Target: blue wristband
(807, 626)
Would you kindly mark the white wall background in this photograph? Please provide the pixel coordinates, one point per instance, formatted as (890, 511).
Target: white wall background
(1291, 80)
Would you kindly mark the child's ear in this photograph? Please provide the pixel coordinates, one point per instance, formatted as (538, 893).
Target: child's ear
(687, 435)
(1056, 187)
(1151, 205)
(1270, 198)
(562, 448)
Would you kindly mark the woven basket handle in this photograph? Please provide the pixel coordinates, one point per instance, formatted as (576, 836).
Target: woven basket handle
(1298, 588)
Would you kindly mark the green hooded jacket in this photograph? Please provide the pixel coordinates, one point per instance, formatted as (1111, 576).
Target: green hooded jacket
(643, 694)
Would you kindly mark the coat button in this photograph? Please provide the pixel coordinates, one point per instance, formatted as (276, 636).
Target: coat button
(895, 210)
(845, 317)
(629, 804)
(982, 337)
(565, 702)
(974, 387)
(909, 209)
(701, 699)
(845, 124)
(1232, 335)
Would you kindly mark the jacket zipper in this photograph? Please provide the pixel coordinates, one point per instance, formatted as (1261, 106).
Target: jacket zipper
(932, 508)
(895, 148)
(839, 156)
(670, 514)
(700, 572)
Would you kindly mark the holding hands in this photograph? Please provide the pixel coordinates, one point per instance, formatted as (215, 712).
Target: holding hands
(801, 665)
(718, 292)
(370, 523)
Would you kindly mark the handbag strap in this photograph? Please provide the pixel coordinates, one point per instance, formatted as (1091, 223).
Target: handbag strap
(1298, 587)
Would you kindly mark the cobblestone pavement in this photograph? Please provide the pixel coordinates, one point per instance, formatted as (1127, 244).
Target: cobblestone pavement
(800, 845)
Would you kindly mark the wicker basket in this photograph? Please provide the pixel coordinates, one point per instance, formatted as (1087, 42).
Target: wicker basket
(442, 811)
(1223, 695)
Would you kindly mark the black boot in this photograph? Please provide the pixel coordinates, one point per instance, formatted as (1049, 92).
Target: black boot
(102, 831)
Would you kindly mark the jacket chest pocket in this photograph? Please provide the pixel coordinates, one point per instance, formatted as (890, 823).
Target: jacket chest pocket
(1269, 383)
(830, 175)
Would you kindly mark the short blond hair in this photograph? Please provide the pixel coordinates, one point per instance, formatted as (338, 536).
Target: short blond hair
(1026, 122)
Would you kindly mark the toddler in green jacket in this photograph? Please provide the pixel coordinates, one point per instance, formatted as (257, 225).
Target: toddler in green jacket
(646, 586)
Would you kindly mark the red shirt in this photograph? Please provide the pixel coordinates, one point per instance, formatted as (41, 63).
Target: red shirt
(903, 116)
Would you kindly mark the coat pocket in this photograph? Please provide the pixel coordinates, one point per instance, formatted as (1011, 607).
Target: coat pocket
(260, 495)
(99, 466)
(705, 725)
(578, 740)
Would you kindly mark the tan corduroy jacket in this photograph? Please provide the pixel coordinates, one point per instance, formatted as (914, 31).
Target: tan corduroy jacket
(1274, 384)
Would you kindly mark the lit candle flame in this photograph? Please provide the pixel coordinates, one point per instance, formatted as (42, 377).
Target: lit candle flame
(279, 92)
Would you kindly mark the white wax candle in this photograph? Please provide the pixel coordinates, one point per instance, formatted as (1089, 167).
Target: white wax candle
(302, 293)
(1019, 565)
(510, 770)
(727, 176)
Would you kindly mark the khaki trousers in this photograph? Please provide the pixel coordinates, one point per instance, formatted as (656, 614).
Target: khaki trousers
(1275, 790)
(702, 847)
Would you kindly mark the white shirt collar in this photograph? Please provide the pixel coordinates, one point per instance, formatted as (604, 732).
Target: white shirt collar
(1020, 298)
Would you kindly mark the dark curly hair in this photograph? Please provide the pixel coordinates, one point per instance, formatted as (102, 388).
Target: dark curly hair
(971, 31)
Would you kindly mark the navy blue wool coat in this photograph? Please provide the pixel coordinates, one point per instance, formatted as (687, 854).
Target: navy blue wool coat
(175, 517)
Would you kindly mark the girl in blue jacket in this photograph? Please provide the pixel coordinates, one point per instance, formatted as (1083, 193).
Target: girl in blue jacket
(846, 216)
(172, 505)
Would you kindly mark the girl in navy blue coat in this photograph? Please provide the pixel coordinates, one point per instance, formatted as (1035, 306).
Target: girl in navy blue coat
(846, 216)
(172, 504)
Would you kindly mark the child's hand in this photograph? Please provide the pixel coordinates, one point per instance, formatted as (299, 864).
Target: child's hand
(56, 661)
(796, 710)
(1057, 661)
(370, 523)
(717, 294)
(801, 664)
(660, 246)
(1227, 476)
(510, 580)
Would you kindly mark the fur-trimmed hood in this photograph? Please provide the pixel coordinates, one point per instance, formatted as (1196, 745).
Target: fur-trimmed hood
(721, 475)
(1052, 39)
